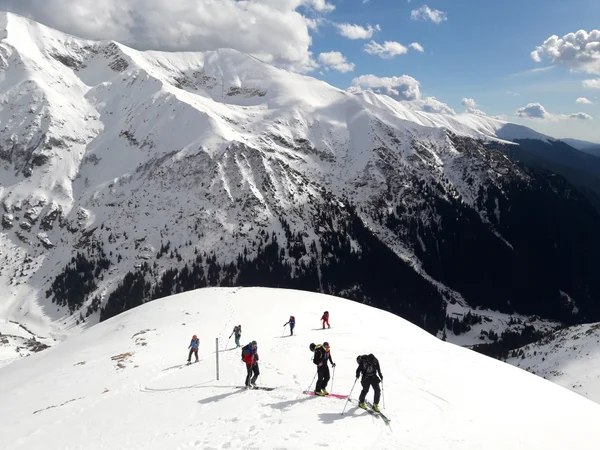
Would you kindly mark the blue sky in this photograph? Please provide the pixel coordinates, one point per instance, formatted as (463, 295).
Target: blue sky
(481, 51)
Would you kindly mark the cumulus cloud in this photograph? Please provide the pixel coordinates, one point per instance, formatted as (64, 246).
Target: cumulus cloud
(469, 102)
(537, 111)
(584, 100)
(476, 112)
(533, 111)
(432, 105)
(580, 116)
(356, 31)
(577, 51)
(592, 84)
(416, 46)
(388, 50)
(337, 61)
(403, 87)
(276, 31)
(426, 13)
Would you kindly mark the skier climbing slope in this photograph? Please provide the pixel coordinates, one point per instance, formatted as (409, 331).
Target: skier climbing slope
(120, 385)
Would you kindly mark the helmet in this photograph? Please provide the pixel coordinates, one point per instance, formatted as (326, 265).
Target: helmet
(194, 337)
(312, 347)
(254, 343)
(326, 344)
(358, 358)
(371, 358)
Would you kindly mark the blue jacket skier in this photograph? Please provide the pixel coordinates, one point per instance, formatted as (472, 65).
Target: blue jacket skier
(194, 346)
(250, 357)
(292, 323)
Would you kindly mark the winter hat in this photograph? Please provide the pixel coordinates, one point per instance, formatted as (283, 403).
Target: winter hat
(194, 337)
(254, 343)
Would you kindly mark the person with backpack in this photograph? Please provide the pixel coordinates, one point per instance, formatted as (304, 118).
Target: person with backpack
(325, 319)
(193, 347)
(292, 323)
(250, 357)
(237, 330)
(369, 367)
(321, 356)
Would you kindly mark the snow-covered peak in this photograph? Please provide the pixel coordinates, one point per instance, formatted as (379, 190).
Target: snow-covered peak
(124, 384)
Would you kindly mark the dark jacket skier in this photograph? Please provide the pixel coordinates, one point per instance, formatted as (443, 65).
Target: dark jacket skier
(321, 356)
(369, 367)
(250, 357)
(292, 323)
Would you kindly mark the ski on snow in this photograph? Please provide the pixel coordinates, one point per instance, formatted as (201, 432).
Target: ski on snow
(328, 395)
(376, 413)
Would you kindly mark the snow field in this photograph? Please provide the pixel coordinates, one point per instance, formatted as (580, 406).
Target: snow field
(120, 384)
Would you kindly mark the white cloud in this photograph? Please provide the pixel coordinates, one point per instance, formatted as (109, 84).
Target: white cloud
(416, 46)
(533, 111)
(336, 61)
(403, 87)
(426, 13)
(432, 105)
(577, 51)
(276, 31)
(537, 111)
(476, 112)
(356, 31)
(388, 50)
(584, 100)
(592, 84)
(514, 94)
(580, 116)
(469, 102)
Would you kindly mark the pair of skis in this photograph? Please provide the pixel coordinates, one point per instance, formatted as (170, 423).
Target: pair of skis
(369, 409)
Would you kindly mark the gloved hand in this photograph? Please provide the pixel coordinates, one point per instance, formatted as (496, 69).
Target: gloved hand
(320, 364)
(381, 376)
(333, 364)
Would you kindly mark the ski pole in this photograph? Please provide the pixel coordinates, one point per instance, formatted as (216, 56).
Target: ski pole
(227, 342)
(382, 396)
(308, 388)
(283, 332)
(332, 378)
(349, 396)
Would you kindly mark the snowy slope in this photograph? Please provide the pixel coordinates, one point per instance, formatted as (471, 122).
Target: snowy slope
(569, 357)
(121, 385)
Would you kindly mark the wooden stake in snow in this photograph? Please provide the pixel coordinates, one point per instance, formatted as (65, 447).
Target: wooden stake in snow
(217, 347)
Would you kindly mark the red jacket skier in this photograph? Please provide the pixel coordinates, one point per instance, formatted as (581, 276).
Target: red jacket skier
(325, 319)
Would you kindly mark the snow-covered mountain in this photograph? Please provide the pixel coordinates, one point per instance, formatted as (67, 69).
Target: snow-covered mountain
(124, 384)
(127, 176)
(569, 357)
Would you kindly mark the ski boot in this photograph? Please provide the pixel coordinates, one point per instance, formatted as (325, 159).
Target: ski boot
(376, 407)
(362, 405)
(324, 392)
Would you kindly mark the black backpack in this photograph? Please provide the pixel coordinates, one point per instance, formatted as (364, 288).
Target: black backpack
(369, 368)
